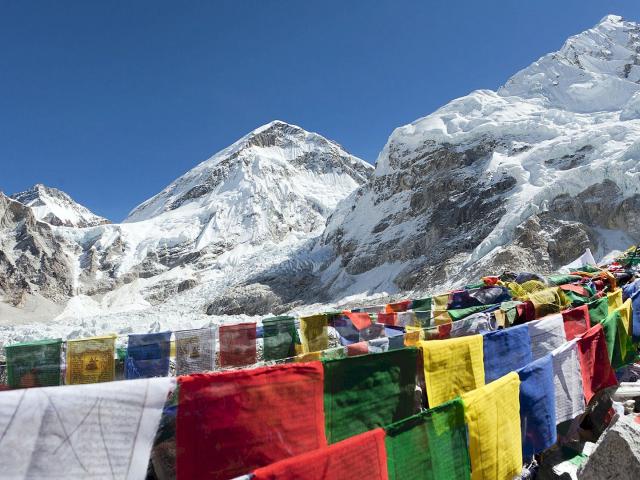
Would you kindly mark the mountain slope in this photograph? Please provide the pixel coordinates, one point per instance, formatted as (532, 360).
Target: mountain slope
(251, 206)
(57, 208)
(524, 177)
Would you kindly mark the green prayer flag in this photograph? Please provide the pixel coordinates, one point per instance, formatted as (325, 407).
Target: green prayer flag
(558, 280)
(460, 313)
(431, 445)
(369, 391)
(334, 353)
(34, 364)
(421, 304)
(598, 310)
(619, 343)
(280, 337)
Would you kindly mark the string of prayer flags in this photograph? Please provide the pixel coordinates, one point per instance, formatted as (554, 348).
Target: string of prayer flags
(280, 337)
(492, 414)
(430, 445)
(195, 350)
(91, 360)
(34, 364)
(231, 423)
(567, 379)
(546, 335)
(506, 351)
(360, 456)
(452, 367)
(314, 332)
(537, 406)
(595, 366)
(237, 345)
(81, 431)
(148, 355)
(619, 344)
(369, 391)
(576, 321)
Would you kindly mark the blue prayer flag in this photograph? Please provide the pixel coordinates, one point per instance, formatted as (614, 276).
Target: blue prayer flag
(537, 406)
(505, 351)
(148, 355)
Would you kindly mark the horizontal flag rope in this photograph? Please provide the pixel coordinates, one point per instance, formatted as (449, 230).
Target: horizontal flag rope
(408, 394)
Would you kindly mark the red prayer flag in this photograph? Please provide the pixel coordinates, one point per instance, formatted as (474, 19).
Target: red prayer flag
(360, 320)
(594, 362)
(355, 349)
(576, 321)
(231, 423)
(402, 306)
(578, 289)
(237, 345)
(388, 318)
(360, 456)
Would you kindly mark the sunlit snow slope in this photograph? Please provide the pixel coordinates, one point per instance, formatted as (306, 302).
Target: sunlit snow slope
(522, 178)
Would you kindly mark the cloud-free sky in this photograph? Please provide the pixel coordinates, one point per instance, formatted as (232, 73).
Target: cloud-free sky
(112, 100)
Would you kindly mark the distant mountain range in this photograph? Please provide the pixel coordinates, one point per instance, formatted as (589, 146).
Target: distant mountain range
(523, 178)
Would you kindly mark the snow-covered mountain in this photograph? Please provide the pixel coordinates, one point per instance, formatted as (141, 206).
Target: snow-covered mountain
(251, 206)
(525, 177)
(57, 208)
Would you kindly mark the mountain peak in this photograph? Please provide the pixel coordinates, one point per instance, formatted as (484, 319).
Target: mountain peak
(595, 70)
(55, 207)
(271, 154)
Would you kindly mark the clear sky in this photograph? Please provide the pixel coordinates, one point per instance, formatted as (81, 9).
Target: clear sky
(112, 100)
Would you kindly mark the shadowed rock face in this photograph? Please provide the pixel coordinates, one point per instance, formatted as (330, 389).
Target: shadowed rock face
(32, 260)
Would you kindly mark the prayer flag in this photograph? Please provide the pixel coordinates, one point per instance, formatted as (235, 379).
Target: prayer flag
(619, 344)
(314, 332)
(280, 337)
(546, 335)
(33, 364)
(492, 414)
(422, 304)
(362, 456)
(359, 320)
(231, 423)
(369, 391)
(430, 445)
(359, 348)
(388, 318)
(401, 306)
(614, 300)
(598, 311)
(567, 379)
(237, 345)
(635, 328)
(576, 321)
(452, 367)
(537, 407)
(81, 432)
(506, 351)
(595, 366)
(195, 351)
(148, 355)
(91, 360)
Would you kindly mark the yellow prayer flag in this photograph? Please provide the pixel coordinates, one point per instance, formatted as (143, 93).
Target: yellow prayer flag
(625, 315)
(91, 360)
(614, 300)
(314, 333)
(492, 414)
(452, 367)
(440, 315)
(412, 336)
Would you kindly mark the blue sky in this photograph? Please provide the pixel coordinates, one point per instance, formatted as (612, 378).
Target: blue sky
(112, 100)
